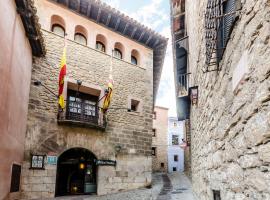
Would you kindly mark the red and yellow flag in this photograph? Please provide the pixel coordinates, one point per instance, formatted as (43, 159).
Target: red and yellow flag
(62, 75)
(108, 97)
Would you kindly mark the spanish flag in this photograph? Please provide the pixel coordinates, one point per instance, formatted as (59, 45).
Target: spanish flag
(108, 97)
(62, 75)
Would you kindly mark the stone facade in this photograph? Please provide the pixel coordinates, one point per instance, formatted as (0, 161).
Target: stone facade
(128, 136)
(160, 140)
(230, 126)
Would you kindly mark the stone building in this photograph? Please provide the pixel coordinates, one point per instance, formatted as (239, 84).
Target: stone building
(160, 139)
(20, 42)
(78, 150)
(223, 55)
(175, 139)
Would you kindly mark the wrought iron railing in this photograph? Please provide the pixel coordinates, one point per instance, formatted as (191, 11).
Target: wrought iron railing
(183, 84)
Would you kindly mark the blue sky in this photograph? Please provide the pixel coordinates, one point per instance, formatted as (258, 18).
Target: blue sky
(156, 15)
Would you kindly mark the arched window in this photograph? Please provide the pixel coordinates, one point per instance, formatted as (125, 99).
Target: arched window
(58, 25)
(119, 50)
(134, 60)
(117, 53)
(80, 38)
(135, 57)
(101, 43)
(58, 29)
(100, 46)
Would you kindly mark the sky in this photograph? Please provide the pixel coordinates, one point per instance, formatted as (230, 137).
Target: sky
(156, 15)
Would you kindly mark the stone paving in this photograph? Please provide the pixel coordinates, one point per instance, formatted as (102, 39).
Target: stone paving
(174, 186)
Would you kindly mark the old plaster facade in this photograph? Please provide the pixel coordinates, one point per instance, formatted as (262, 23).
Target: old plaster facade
(230, 124)
(160, 140)
(127, 138)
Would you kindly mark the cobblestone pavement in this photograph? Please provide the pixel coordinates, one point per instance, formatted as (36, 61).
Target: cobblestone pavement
(174, 186)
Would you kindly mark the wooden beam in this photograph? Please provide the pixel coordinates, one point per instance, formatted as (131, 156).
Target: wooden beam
(79, 5)
(148, 40)
(108, 19)
(99, 14)
(133, 32)
(117, 23)
(126, 27)
(157, 41)
(141, 36)
(89, 9)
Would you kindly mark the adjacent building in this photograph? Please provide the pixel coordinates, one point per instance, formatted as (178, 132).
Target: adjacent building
(222, 64)
(79, 150)
(175, 138)
(160, 140)
(20, 41)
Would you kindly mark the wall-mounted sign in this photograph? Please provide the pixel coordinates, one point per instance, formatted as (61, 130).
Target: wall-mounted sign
(52, 160)
(37, 161)
(106, 162)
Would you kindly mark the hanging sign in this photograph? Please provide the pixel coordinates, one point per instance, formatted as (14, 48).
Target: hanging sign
(37, 162)
(52, 160)
(106, 162)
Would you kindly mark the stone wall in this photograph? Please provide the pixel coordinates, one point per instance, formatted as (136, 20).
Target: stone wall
(131, 130)
(160, 141)
(230, 127)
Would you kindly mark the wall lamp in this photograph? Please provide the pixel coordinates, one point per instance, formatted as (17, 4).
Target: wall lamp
(194, 94)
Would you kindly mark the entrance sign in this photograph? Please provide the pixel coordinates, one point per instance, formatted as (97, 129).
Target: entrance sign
(37, 161)
(52, 160)
(106, 162)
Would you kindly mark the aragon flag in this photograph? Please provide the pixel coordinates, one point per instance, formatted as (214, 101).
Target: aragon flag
(62, 75)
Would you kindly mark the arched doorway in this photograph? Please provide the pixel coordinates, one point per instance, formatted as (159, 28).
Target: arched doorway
(76, 172)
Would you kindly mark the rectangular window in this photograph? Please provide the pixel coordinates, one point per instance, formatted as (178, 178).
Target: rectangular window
(134, 105)
(162, 165)
(175, 158)
(154, 151)
(15, 178)
(216, 194)
(154, 132)
(175, 140)
(82, 107)
(174, 169)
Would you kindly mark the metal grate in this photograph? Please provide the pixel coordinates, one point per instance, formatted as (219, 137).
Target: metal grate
(15, 178)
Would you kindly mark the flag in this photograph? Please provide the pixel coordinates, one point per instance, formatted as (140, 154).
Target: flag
(108, 97)
(62, 75)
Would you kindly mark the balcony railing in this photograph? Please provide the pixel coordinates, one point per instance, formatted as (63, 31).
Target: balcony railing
(183, 84)
(83, 114)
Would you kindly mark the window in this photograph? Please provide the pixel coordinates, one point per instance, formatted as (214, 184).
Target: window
(15, 178)
(154, 115)
(154, 132)
(175, 140)
(82, 107)
(100, 46)
(134, 60)
(80, 38)
(162, 165)
(117, 53)
(154, 151)
(175, 124)
(134, 105)
(175, 158)
(174, 169)
(58, 29)
(216, 194)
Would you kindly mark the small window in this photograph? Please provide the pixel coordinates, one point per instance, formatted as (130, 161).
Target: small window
(174, 169)
(154, 151)
(154, 132)
(58, 29)
(100, 46)
(216, 194)
(117, 53)
(162, 165)
(134, 60)
(80, 38)
(15, 178)
(134, 105)
(175, 158)
(154, 115)
(175, 124)
(175, 140)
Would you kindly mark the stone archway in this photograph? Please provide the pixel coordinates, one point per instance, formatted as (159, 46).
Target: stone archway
(76, 172)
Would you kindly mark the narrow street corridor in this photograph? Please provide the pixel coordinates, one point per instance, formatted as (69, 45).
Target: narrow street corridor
(174, 186)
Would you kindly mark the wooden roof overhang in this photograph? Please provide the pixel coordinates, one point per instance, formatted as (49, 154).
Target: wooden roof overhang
(112, 19)
(27, 11)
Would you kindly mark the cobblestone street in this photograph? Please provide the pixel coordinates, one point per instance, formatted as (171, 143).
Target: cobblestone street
(174, 186)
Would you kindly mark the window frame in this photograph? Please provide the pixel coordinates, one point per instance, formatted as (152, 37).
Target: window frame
(102, 44)
(177, 136)
(58, 25)
(133, 58)
(120, 53)
(81, 35)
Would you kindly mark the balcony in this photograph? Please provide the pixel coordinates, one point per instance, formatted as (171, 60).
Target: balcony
(83, 114)
(183, 83)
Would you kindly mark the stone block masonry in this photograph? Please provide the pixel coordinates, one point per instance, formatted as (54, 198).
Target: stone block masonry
(230, 128)
(132, 131)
